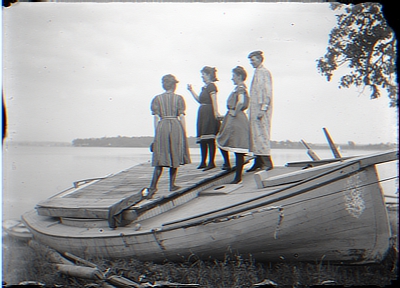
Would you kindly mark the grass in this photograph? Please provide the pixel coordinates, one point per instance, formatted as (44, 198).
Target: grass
(22, 263)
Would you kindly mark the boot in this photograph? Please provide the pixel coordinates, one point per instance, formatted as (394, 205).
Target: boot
(203, 153)
(239, 168)
(267, 163)
(227, 165)
(256, 165)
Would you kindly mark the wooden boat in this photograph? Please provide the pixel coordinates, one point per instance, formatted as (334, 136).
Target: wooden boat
(332, 211)
(17, 230)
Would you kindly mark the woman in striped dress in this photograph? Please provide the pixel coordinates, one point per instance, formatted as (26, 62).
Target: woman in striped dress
(170, 146)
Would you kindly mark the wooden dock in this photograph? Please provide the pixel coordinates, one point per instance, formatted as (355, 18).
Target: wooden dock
(107, 197)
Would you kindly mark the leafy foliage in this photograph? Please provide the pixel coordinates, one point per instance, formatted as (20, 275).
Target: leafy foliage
(362, 40)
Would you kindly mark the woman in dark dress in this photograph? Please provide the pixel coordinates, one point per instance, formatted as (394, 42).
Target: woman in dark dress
(234, 135)
(170, 147)
(207, 118)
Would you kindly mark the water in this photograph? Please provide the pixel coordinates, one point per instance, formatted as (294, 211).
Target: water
(32, 173)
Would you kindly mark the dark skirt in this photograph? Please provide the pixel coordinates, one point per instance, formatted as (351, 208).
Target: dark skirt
(207, 124)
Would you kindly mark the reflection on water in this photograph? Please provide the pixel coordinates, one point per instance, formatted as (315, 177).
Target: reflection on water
(32, 174)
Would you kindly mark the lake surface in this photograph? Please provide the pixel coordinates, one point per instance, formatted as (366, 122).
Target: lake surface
(33, 173)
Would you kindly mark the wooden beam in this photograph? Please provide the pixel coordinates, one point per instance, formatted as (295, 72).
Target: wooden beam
(264, 181)
(332, 145)
(297, 176)
(310, 152)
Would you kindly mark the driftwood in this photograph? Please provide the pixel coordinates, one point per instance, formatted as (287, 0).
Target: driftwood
(106, 285)
(80, 260)
(50, 254)
(65, 266)
(80, 271)
(120, 281)
(91, 271)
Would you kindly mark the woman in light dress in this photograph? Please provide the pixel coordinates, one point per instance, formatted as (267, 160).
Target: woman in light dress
(234, 134)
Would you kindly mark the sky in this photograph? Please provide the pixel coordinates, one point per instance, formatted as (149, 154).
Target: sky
(89, 70)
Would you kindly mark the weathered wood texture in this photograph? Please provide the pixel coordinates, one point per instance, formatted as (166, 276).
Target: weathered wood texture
(110, 196)
(337, 216)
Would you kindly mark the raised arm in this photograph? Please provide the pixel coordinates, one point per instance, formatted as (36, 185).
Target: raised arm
(195, 96)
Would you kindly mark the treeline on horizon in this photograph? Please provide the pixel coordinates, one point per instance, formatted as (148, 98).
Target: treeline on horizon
(145, 141)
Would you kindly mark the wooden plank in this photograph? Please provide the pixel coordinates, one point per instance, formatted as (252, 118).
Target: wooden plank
(303, 164)
(310, 152)
(222, 189)
(264, 181)
(73, 212)
(261, 175)
(378, 158)
(108, 197)
(115, 211)
(332, 145)
(78, 203)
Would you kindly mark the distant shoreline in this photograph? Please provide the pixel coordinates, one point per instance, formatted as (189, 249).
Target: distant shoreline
(145, 141)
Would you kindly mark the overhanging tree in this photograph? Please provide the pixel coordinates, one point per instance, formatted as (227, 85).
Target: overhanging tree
(363, 40)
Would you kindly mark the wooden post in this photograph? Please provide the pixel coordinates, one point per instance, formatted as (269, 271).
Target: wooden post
(310, 152)
(332, 145)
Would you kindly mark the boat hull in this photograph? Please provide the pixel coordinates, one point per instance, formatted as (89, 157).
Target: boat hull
(340, 217)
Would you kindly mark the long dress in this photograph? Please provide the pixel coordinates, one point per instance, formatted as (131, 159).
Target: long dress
(207, 124)
(170, 146)
(235, 130)
(260, 129)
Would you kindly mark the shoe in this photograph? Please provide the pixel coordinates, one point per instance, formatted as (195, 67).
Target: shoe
(256, 165)
(254, 168)
(201, 166)
(209, 167)
(226, 167)
(236, 181)
(267, 163)
(148, 193)
(174, 188)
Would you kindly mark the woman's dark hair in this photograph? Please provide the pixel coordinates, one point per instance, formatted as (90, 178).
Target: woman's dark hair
(169, 82)
(210, 71)
(238, 70)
